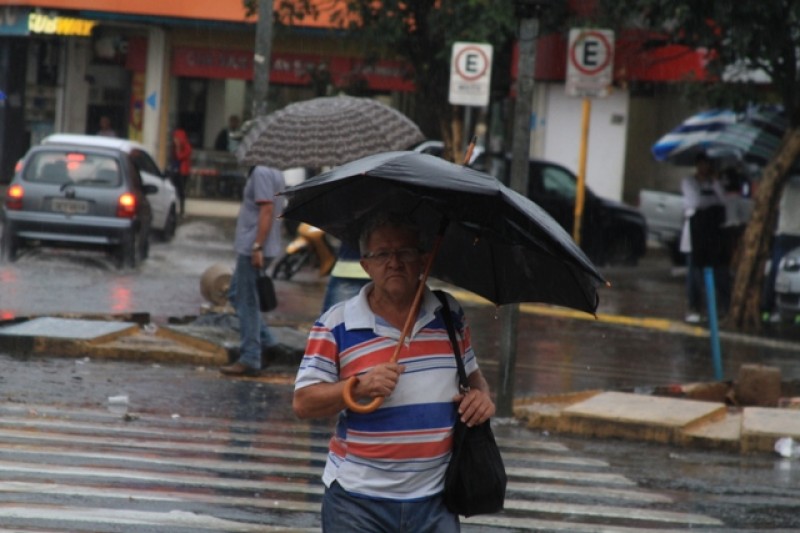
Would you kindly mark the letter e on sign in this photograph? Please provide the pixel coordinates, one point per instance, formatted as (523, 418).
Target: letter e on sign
(470, 74)
(590, 62)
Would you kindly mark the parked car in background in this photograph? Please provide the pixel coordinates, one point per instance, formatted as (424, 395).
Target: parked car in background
(663, 212)
(436, 148)
(787, 286)
(612, 233)
(163, 202)
(78, 195)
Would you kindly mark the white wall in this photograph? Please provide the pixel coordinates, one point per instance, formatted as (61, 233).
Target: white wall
(558, 135)
(71, 115)
(652, 116)
(225, 98)
(155, 138)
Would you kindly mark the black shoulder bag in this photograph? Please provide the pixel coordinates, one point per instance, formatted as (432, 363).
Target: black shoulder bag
(475, 480)
(267, 300)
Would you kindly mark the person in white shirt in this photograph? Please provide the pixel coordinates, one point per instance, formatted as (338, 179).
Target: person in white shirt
(702, 190)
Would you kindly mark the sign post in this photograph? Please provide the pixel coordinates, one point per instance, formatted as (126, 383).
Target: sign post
(590, 61)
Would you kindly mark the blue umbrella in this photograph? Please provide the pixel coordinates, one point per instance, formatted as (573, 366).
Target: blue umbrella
(696, 134)
(757, 136)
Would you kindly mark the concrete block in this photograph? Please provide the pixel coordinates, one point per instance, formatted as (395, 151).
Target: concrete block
(761, 427)
(638, 417)
(543, 412)
(758, 385)
(723, 434)
(70, 329)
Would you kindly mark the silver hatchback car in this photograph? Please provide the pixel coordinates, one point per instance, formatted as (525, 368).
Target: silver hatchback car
(80, 196)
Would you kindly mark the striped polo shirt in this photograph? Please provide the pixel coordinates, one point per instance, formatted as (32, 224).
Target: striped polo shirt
(400, 451)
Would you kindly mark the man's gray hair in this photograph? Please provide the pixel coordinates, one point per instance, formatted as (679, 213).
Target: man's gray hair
(388, 219)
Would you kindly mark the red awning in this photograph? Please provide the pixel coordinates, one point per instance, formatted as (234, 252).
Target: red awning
(638, 56)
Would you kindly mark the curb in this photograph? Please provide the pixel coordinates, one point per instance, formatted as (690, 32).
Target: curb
(674, 421)
(700, 421)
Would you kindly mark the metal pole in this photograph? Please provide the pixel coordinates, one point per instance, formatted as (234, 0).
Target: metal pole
(711, 297)
(528, 30)
(261, 58)
(580, 191)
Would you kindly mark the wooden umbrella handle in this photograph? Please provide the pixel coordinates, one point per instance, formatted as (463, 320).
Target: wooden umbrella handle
(347, 392)
(470, 149)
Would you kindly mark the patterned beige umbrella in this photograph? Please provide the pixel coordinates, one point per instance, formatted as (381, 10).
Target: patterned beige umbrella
(326, 131)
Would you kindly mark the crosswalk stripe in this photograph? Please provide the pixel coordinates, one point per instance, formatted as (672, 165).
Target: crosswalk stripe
(183, 519)
(159, 495)
(536, 490)
(78, 468)
(187, 480)
(94, 419)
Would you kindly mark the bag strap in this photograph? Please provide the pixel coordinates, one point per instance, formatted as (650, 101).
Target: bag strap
(451, 332)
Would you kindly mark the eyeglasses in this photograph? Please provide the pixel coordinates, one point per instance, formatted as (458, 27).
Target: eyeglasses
(404, 255)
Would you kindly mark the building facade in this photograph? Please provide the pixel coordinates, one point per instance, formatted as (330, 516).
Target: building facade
(152, 65)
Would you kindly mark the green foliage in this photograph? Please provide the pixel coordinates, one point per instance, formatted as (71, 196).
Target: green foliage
(419, 31)
(741, 36)
(423, 32)
(287, 11)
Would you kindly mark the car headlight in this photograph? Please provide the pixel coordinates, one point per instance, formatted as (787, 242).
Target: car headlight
(790, 263)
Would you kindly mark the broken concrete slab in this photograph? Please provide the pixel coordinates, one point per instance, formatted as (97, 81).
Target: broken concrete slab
(69, 328)
(722, 434)
(543, 412)
(626, 415)
(762, 426)
(67, 337)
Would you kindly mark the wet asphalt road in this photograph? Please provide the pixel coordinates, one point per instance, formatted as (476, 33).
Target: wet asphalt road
(556, 355)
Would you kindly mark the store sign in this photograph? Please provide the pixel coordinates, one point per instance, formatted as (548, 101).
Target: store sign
(53, 25)
(292, 69)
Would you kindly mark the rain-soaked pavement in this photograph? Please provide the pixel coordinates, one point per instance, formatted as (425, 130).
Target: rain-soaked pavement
(47, 402)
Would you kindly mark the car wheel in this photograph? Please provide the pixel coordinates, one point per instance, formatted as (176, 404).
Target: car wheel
(620, 252)
(144, 247)
(10, 244)
(290, 264)
(168, 233)
(129, 251)
(677, 257)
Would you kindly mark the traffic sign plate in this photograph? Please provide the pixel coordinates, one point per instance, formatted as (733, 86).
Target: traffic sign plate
(470, 74)
(590, 62)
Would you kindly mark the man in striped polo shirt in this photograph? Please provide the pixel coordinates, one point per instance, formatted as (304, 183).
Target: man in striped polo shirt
(385, 469)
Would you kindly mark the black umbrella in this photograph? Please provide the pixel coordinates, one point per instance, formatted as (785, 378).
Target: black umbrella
(496, 243)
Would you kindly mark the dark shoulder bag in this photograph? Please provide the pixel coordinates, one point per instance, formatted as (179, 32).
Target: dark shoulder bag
(267, 300)
(475, 480)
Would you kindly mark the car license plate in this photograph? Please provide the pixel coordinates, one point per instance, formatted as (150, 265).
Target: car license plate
(782, 286)
(69, 206)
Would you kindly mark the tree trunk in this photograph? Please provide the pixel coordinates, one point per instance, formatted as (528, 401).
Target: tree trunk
(745, 310)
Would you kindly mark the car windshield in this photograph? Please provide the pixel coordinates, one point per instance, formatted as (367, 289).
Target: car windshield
(79, 168)
(558, 182)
